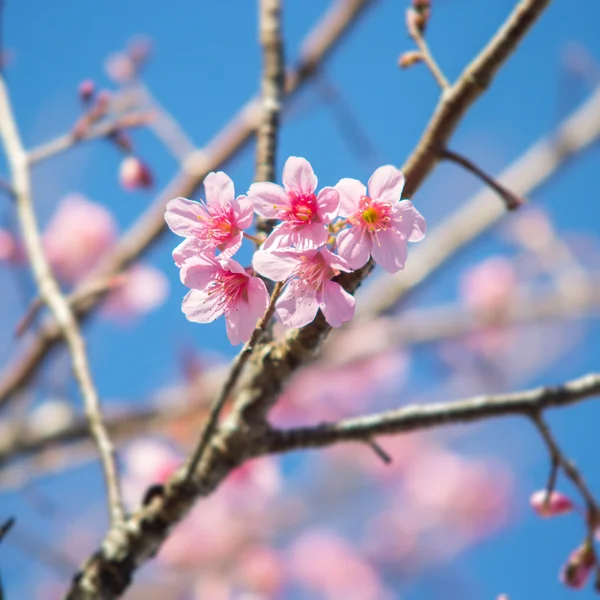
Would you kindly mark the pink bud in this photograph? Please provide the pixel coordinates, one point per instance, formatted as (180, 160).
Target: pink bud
(410, 58)
(139, 49)
(120, 68)
(135, 174)
(579, 566)
(556, 504)
(87, 88)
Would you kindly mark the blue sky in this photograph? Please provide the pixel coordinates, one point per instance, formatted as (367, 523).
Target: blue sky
(206, 65)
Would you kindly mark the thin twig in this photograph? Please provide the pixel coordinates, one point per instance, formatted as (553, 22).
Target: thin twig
(272, 89)
(234, 374)
(52, 296)
(426, 56)
(105, 128)
(512, 200)
(423, 416)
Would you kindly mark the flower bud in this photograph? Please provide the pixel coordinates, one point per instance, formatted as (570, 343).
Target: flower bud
(120, 68)
(139, 50)
(410, 58)
(87, 89)
(579, 566)
(134, 174)
(550, 505)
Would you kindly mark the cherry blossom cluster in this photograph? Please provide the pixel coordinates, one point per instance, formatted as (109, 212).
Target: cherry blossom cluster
(320, 235)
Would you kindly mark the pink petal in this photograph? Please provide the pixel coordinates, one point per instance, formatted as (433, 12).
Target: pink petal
(334, 261)
(200, 307)
(182, 216)
(242, 318)
(350, 191)
(328, 204)
(389, 250)
(189, 248)
(354, 246)
(265, 197)
(294, 308)
(298, 176)
(386, 184)
(228, 264)
(277, 266)
(337, 304)
(232, 245)
(197, 272)
(243, 212)
(219, 190)
(409, 221)
(301, 238)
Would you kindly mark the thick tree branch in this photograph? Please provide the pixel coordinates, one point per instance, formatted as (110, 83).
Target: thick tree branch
(52, 296)
(423, 416)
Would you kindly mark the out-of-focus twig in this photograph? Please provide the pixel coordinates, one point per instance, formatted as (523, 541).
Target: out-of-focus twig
(511, 199)
(52, 296)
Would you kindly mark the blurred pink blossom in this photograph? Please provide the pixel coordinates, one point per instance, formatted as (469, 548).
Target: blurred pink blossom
(550, 506)
(328, 565)
(120, 67)
(261, 570)
(490, 285)
(11, 250)
(142, 289)
(77, 235)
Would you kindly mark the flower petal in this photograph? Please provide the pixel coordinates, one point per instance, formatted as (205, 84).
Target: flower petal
(386, 184)
(266, 197)
(354, 246)
(350, 191)
(295, 307)
(197, 272)
(189, 248)
(200, 307)
(182, 216)
(337, 304)
(335, 261)
(242, 317)
(298, 176)
(231, 246)
(243, 212)
(300, 238)
(219, 190)
(389, 250)
(328, 204)
(277, 266)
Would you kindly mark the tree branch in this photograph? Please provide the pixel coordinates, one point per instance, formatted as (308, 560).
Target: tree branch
(52, 296)
(423, 416)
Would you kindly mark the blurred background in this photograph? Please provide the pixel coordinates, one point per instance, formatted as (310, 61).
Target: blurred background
(450, 516)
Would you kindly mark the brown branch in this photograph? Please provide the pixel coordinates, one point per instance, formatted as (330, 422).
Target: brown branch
(52, 296)
(336, 23)
(423, 416)
(234, 374)
(476, 216)
(511, 199)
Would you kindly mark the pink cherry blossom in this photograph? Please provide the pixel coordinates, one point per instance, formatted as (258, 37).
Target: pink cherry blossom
(216, 224)
(142, 290)
(490, 285)
(305, 215)
(310, 286)
(556, 503)
(221, 286)
(78, 234)
(579, 566)
(380, 223)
